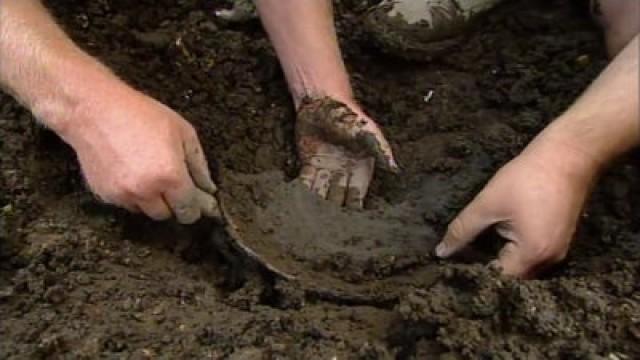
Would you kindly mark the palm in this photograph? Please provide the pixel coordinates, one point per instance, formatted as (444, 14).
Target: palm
(336, 151)
(334, 172)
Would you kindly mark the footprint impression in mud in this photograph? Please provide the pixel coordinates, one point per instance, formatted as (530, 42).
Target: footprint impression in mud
(322, 245)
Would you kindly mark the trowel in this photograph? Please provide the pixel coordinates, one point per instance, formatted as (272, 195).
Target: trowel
(300, 237)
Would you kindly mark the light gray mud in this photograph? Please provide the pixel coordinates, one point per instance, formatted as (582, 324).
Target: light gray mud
(327, 247)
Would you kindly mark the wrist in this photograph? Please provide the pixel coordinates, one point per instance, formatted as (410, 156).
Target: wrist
(342, 94)
(561, 153)
(75, 90)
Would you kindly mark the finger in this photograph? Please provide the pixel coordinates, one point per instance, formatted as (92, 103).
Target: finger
(197, 164)
(512, 262)
(359, 184)
(322, 182)
(184, 202)
(156, 208)
(338, 187)
(308, 175)
(376, 145)
(464, 228)
(208, 204)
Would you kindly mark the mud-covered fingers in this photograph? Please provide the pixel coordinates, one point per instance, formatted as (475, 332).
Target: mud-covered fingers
(358, 132)
(376, 145)
(209, 205)
(188, 203)
(359, 181)
(308, 175)
(155, 208)
(186, 208)
(338, 187)
(322, 183)
(192, 207)
(197, 162)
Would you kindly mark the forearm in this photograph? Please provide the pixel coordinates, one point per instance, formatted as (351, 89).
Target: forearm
(304, 36)
(605, 121)
(41, 66)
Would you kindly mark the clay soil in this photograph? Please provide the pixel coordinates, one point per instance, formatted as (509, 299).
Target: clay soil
(81, 280)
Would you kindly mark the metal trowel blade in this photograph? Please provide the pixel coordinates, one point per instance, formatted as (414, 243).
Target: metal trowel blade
(241, 245)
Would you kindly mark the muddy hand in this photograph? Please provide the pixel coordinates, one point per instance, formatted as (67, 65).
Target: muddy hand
(139, 154)
(339, 148)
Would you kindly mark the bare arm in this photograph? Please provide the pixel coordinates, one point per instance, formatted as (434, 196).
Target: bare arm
(134, 152)
(42, 67)
(304, 36)
(604, 122)
(535, 201)
(339, 166)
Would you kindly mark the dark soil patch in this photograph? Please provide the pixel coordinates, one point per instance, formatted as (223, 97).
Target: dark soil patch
(81, 281)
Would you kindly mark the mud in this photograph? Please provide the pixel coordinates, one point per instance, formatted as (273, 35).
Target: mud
(78, 280)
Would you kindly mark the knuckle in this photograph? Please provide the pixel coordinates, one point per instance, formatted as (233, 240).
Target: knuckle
(127, 189)
(166, 179)
(120, 192)
(163, 177)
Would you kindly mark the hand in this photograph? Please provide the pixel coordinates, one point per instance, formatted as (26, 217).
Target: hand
(535, 202)
(139, 154)
(338, 146)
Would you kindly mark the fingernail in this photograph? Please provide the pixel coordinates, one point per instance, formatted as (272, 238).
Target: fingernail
(393, 166)
(441, 250)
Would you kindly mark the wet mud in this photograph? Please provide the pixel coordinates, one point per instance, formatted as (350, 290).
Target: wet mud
(80, 280)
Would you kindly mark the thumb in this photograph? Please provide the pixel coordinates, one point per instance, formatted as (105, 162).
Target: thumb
(197, 164)
(372, 139)
(464, 228)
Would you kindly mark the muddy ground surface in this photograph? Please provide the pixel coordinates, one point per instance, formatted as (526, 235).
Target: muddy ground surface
(79, 280)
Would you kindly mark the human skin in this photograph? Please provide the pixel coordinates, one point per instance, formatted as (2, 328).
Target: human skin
(303, 34)
(535, 201)
(135, 152)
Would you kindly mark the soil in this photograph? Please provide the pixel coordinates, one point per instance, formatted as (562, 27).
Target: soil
(80, 280)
